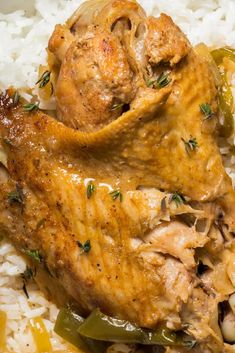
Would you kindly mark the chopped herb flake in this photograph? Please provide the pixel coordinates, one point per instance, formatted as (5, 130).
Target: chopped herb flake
(44, 79)
(16, 196)
(31, 107)
(206, 110)
(90, 189)
(162, 81)
(86, 247)
(191, 144)
(34, 254)
(116, 194)
(177, 198)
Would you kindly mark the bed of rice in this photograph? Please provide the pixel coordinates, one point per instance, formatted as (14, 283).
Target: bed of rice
(25, 26)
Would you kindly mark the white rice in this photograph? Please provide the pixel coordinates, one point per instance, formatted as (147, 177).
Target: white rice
(19, 309)
(25, 27)
(24, 36)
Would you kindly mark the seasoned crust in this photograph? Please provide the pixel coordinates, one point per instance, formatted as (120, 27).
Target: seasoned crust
(165, 42)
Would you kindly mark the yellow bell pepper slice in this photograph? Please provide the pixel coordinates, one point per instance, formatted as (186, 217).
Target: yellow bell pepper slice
(40, 335)
(3, 321)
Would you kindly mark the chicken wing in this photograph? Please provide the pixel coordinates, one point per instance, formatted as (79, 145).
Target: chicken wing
(121, 199)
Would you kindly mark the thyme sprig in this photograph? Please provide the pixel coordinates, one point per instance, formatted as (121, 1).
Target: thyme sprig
(177, 198)
(162, 81)
(44, 79)
(116, 194)
(16, 196)
(206, 110)
(31, 107)
(191, 144)
(35, 255)
(90, 189)
(86, 247)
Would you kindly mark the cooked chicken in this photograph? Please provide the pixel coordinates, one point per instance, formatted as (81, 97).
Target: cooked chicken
(175, 239)
(107, 61)
(89, 77)
(164, 41)
(85, 198)
(102, 79)
(55, 190)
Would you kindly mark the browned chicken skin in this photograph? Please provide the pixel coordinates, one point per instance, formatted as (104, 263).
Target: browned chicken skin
(145, 245)
(103, 67)
(164, 41)
(96, 73)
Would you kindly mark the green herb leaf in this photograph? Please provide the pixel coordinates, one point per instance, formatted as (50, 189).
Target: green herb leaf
(116, 194)
(31, 107)
(177, 198)
(162, 81)
(86, 247)
(191, 144)
(116, 106)
(44, 79)
(15, 98)
(90, 189)
(206, 110)
(35, 255)
(16, 196)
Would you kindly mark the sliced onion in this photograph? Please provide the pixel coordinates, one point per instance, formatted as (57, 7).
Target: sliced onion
(202, 50)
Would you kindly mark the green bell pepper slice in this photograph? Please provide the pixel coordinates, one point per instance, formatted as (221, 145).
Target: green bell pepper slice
(66, 326)
(225, 93)
(105, 328)
(219, 54)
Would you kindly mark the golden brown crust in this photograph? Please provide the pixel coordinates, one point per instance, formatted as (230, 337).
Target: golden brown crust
(105, 55)
(95, 75)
